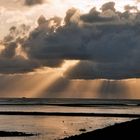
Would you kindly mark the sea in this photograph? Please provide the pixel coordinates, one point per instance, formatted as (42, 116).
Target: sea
(55, 119)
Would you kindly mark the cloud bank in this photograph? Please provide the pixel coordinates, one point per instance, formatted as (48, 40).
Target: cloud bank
(106, 42)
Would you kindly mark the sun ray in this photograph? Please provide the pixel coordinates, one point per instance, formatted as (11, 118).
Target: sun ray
(50, 76)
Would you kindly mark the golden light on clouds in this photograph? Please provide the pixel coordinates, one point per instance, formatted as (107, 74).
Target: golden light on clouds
(20, 52)
(119, 4)
(28, 15)
(85, 5)
(67, 65)
(38, 85)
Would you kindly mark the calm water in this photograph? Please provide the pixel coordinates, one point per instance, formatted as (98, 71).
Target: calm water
(54, 127)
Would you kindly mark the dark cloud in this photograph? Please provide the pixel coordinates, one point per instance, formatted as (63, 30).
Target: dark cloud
(16, 65)
(10, 49)
(107, 43)
(129, 8)
(92, 70)
(69, 15)
(13, 63)
(95, 16)
(108, 6)
(33, 2)
(36, 44)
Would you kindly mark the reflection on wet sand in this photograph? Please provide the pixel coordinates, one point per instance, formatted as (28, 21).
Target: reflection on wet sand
(53, 127)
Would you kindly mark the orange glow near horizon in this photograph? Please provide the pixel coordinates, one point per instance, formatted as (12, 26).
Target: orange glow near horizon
(37, 85)
(43, 84)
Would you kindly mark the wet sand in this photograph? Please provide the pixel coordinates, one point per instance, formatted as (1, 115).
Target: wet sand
(128, 129)
(55, 119)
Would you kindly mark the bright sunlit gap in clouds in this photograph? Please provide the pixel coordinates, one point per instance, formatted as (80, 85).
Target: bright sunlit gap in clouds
(119, 4)
(51, 8)
(85, 5)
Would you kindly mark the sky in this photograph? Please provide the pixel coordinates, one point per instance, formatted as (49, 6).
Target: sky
(70, 48)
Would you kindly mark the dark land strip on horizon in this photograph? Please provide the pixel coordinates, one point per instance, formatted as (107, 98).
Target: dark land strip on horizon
(77, 114)
(69, 102)
(16, 134)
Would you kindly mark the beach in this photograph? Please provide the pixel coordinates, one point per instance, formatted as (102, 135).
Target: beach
(125, 130)
(57, 119)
